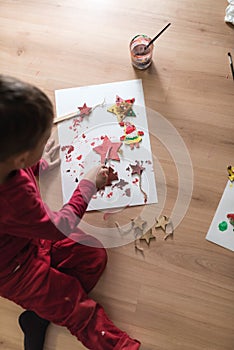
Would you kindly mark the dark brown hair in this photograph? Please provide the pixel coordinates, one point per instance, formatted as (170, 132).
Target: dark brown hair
(25, 115)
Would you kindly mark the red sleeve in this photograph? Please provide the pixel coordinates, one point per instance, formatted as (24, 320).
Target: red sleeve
(67, 219)
(27, 216)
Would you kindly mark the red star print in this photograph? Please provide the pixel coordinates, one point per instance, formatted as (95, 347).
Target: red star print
(106, 144)
(137, 168)
(85, 110)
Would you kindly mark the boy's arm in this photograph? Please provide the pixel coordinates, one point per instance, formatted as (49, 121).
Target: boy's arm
(25, 214)
(33, 219)
(42, 165)
(67, 219)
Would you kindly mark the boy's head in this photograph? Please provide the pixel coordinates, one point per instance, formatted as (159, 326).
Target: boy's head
(26, 116)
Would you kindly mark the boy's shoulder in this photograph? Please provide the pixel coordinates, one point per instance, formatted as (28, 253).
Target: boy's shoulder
(18, 194)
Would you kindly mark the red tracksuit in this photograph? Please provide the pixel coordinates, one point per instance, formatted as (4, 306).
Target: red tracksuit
(44, 271)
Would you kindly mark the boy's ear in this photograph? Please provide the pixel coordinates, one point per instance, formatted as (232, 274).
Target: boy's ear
(20, 160)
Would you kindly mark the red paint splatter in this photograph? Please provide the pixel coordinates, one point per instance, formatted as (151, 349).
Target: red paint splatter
(128, 192)
(135, 181)
(75, 123)
(68, 158)
(82, 173)
(84, 136)
(92, 143)
(110, 195)
(102, 137)
(148, 162)
(79, 157)
(70, 149)
(81, 165)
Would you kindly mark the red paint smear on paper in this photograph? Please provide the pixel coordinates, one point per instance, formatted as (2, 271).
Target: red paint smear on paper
(148, 162)
(93, 143)
(81, 165)
(76, 122)
(79, 157)
(102, 137)
(135, 181)
(68, 159)
(70, 149)
(110, 195)
(128, 192)
(84, 136)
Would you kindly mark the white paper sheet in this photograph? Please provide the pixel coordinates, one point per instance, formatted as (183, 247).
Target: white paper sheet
(226, 206)
(89, 131)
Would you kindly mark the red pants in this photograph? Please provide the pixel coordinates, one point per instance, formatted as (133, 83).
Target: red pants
(54, 284)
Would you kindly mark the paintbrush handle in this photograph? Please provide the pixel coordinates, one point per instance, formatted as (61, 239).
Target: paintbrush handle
(65, 117)
(156, 37)
(231, 64)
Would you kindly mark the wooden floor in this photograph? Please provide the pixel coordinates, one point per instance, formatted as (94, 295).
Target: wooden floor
(180, 295)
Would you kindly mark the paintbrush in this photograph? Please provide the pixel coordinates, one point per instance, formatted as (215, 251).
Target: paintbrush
(66, 117)
(156, 37)
(107, 158)
(78, 113)
(231, 64)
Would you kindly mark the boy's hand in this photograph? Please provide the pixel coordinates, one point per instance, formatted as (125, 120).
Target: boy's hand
(50, 154)
(98, 175)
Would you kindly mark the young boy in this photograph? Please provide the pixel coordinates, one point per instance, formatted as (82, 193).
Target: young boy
(42, 267)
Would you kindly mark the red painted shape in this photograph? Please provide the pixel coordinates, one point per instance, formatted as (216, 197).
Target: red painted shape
(70, 149)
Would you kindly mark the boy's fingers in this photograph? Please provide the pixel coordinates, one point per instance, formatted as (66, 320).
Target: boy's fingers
(49, 144)
(105, 172)
(53, 150)
(105, 168)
